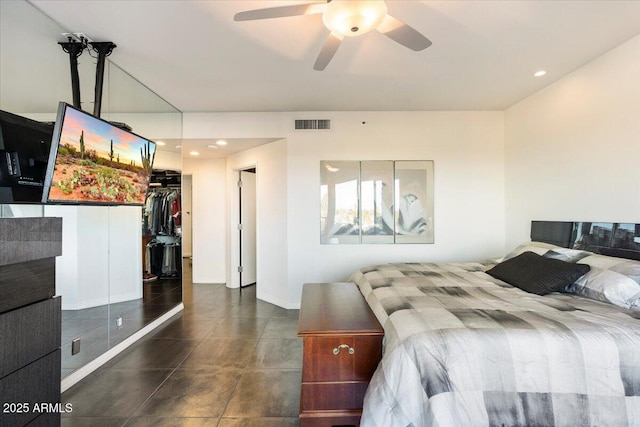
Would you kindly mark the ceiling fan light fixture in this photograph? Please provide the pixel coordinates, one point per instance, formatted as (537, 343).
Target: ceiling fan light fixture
(354, 17)
(346, 18)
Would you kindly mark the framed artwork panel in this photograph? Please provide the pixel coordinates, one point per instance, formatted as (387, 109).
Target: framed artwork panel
(339, 202)
(413, 204)
(376, 201)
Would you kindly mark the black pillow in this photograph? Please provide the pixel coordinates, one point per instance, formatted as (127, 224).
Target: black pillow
(536, 274)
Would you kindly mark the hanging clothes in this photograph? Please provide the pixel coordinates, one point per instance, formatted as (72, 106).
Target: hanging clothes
(164, 259)
(162, 220)
(163, 211)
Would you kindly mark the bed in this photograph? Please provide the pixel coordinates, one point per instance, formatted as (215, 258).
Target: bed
(464, 348)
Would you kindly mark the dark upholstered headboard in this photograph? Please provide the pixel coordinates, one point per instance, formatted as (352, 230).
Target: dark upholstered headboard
(606, 238)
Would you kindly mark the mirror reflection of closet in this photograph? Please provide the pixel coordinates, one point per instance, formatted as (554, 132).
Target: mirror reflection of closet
(100, 274)
(162, 234)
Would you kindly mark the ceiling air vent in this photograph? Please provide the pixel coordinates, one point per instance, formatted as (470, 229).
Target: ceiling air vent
(313, 124)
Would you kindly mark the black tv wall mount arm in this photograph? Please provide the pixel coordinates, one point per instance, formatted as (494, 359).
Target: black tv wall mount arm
(75, 48)
(103, 49)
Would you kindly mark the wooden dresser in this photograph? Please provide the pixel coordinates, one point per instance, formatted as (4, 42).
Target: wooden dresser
(342, 346)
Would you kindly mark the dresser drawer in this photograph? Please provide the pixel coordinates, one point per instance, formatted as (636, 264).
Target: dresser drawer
(26, 282)
(332, 396)
(341, 358)
(330, 419)
(28, 333)
(36, 383)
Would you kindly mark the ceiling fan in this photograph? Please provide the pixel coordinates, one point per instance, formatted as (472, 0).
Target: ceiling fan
(345, 18)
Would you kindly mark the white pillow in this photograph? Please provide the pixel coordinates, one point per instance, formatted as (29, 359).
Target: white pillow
(608, 286)
(626, 267)
(566, 254)
(539, 248)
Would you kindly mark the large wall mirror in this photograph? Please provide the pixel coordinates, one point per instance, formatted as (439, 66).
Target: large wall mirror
(105, 278)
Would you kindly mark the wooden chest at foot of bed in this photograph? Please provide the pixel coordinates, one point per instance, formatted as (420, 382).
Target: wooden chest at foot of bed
(342, 346)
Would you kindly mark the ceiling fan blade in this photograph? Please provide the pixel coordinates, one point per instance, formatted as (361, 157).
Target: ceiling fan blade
(401, 33)
(280, 12)
(328, 50)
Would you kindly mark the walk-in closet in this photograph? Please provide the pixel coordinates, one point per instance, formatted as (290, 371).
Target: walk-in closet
(162, 227)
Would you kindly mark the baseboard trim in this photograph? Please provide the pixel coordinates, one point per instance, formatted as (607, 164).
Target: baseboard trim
(77, 375)
(275, 300)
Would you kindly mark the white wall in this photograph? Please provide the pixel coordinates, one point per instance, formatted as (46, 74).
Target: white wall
(468, 151)
(153, 126)
(92, 258)
(125, 253)
(21, 211)
(67, 284)
(208, 219)
(148, 125)
(572, 149)
(101, 255)
(168, 160)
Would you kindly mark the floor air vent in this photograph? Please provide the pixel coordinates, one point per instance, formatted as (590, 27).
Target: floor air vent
(313, 124)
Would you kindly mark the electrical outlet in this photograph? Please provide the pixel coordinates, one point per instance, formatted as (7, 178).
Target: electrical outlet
(75, 346)
(119, 322)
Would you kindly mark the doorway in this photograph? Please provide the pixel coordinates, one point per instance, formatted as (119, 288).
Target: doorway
(247, 227)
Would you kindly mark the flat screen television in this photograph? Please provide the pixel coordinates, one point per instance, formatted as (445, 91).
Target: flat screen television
(24, 153)
(94, 162)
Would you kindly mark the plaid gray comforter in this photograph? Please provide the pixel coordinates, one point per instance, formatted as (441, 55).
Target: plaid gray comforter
(465, 349)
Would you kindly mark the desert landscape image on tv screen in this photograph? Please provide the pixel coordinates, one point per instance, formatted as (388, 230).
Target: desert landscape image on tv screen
(100, 163)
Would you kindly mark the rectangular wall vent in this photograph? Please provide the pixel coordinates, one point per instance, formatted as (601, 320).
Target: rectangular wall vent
(313, 124)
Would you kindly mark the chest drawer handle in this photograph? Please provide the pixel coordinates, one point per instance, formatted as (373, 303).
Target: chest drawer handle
(336, 350)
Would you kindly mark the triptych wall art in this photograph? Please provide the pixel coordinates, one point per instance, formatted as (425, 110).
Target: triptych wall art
(377, 201)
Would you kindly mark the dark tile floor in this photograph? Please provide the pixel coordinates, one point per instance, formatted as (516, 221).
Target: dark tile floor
(96, 326)
(228, 360)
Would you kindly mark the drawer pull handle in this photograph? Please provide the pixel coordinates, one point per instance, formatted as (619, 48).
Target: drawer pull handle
(336, 350)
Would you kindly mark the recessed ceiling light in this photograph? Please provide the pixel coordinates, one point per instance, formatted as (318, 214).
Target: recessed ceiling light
(160, 143)
(194, 153)
(178, 146)
(540, 73)
(221, 142)
(213, 147)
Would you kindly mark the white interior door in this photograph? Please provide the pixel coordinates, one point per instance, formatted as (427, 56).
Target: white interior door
(248, 229)
(187, 250)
